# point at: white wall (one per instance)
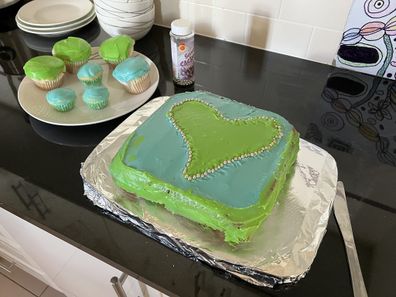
(309, 29)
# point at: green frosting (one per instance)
(44, 68)
(208, 151)
(117, 48)
(152, 172)
(72, 49)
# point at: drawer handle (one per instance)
(118, 282)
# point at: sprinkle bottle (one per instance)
(182, 48)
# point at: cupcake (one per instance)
(46, 72)
(133, 73)
(74, 51)
(90, 74)
(62, 99)
(116, 49)
(96, 97)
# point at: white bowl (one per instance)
(135, 18)
(130, 26)
(114, 31)
(125, 7)
(122, 23)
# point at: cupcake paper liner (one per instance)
(72, 67)
(64, 107)
(98, 104)
(92, 82)
(138, 85)
(50, 84)
(113, 63)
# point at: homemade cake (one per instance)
(213, 160)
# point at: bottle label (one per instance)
(183, 59)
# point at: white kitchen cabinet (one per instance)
(59, 264)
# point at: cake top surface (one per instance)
(61, 96)
(116, 48)
(89, 70)
(228, 149)
(44, 67)
(72, 49)
(130, 69)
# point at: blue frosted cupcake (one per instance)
(133, 73)
(96, 97)
(62, 99)
(90, 74)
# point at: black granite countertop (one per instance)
(351, 115)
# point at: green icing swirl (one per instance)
(117, 48)
(72, 49)
(44, 67)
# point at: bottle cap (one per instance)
(181, 27)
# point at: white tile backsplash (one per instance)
(308, 29)
(330, 14)
(226, 19)
(202, 18)
(324, 45)
(267, 8)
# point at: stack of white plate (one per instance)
(55, 17)
(131, 17)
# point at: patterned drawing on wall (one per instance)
(369, 40)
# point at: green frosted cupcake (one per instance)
(74, 51)
(46, 72)
(90, 74)
(116, 49)
(96, 97)
(62, 99)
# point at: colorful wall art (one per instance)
(369, 41)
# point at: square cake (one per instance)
(212, 160)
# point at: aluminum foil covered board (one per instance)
(280, 252)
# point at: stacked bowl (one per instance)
(130, 17)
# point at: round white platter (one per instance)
(33, 101)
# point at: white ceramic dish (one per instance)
(134, 33)
(123, 24)
(134, 19)
(54, 12)
(33, 101)
(69, 26)
(5, 3)
(57, 32)
(121, 14)
(140, 7)
(88, 15)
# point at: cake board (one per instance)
(280, 252)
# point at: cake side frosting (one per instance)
(234, 198)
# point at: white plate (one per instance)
(5, 3)
(21, 22)
(53, 12)
(56, 32)
(72, 25)
(33, 101)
